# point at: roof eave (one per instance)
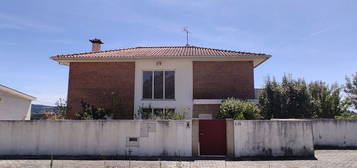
(66, 61)
(265, 59)
(17, 93)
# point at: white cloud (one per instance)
(319, 32)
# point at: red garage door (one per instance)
(212, 137)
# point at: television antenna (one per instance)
(185, 29)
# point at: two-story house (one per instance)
(186, 79)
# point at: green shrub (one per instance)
(147, 113)
(296, 98)
(238, 110)
(347, 115)
(90, 112)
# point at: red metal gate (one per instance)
(212, 137)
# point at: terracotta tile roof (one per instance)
(162, 52)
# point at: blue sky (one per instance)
(315, 40)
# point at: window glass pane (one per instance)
(147, 113)
(170, 85)
(158, 113)
(158, 84)
(147, 85)
(168, 114)
(170, 110)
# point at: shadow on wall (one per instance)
(95, 138)
(258, 138)
(170, 139)
(335, 134)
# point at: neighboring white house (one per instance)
(14, 105)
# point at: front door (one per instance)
(212, 137)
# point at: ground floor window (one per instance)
(158, 113)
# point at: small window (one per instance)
(132, 142)
(147, 113)
(132, 139)
(158, 113)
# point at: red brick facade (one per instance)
(97, 83)
(223, 79)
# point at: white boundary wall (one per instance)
(273, 138)
(75, 138)
(340, 133)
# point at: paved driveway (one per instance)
(325, 159)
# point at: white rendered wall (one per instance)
(341, 133)
(273, 138)
(183, 85)
(14, 107)
(75, 138)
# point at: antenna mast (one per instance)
(185, 29)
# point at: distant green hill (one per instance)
(37, 110)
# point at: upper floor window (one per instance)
(159, 85)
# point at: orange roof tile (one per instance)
(159, 52)
(164, 51)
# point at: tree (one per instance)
(61, 107)
(58, 112)
(288, 99)
(270, 98)
(296, 99)
(351, 90)
(238, 110)
(326, 100)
